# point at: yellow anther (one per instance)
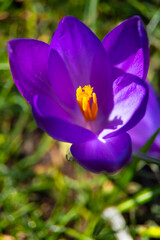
(84, 96)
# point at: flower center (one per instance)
(88, 108)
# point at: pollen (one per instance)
(87, 101)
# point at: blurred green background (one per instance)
(42, 194)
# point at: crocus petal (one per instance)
(141, 133)
(101, 82)
(60, 80)
(108, 156)
(83, 61)
(29, 66)
(130, 100)
(77, 45)
(127, 47)
(54, 120)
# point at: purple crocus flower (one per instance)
(141, 133)
(84, 91)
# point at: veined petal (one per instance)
(101, 81)
(141, 133)
(60, 80)
(77, 45)
(128, 48)
(108, 156)
(130, 100)
(29, 66)
(83, 61)
(57, 122)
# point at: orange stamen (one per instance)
(84, 96)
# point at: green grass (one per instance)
(42, 195)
